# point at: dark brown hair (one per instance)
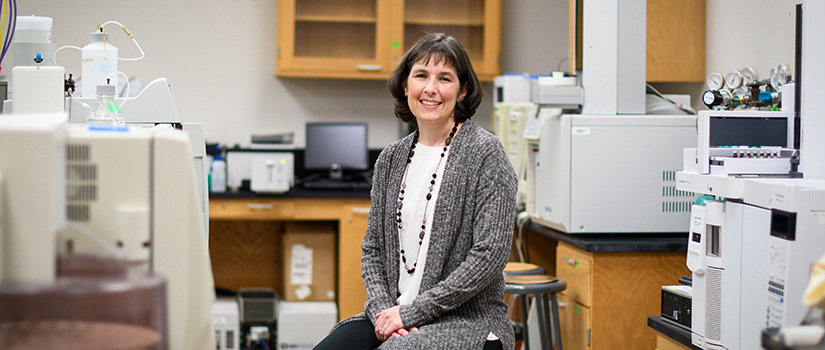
(439, 47)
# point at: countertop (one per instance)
(678, 334)
(617, 242)
(297, 192)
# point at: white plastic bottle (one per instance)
(98, 62)
(106, 111)
(218, 175)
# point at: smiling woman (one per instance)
(441, 217)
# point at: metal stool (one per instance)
(544, 289)
(519, 269)
(514, 268)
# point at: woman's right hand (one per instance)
(402, 332)
(388, 324)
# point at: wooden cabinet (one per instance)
(365, 39)
(353, 226)
(612, 294)
(245, 245)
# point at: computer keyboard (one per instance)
(327, 184)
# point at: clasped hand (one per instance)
(388, 324)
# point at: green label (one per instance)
(114, 108)
(577, 309)
(395, 43)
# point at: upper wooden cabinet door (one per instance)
(476, 24)
(333, 38)
(365, 39)
(676, 41)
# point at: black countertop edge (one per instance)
(617, 242)
(678, 334)
(296, 192)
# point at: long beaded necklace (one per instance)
(447, 142)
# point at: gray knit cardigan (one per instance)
(462, 291)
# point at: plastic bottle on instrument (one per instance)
(218, 175)
(98, 62)
(106, 111)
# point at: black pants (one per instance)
(360, 335)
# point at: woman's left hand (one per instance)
(388, 322)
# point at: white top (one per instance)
(418, 184)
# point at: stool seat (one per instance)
(518, 268)
(533, 284)
(543, 288)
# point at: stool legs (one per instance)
(547, 306)
(524, 311)
(556, 326)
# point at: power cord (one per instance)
(522, 218)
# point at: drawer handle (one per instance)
(369, 67)
(360, 210)
(570, 261)
(261, 206)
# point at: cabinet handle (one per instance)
(360, 210)
(369, 67)
(261, 206)
(570, 261)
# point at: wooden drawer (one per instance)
(251, 209)
(574, 323)
(576, 268)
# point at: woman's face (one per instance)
(432, 90)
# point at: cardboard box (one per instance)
(309, 261)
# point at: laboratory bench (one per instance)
(614, 282)
(245, 233)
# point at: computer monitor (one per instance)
(336, 147)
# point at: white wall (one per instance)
(219, 56)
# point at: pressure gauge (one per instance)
(715, 81)
(717, 99)
(749, 75)
(734, 79)
(780, 76)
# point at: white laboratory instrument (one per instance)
(744, 142)
(274, 174)
(226, 320)
(614, 66)
(302, 325)
(264, 170)
(123, 192)
(156, 105)
(751, 259)
(38, 90)
(727, 240)
(512, 88)
(810, 91)
(509, 121)
(558, 91)
(608, 174)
